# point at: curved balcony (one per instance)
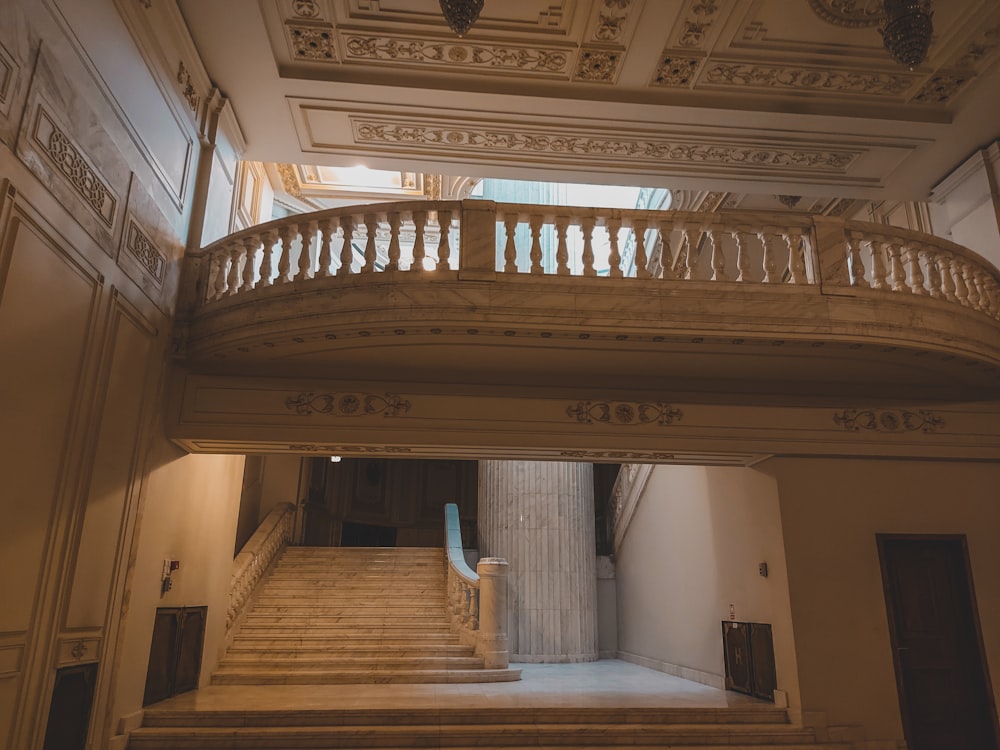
(724, 303)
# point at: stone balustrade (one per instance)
(482, 240)
(477, 601)
(256, 557)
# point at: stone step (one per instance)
(267, 660)
(372, 610)
(246, 676)
(306, 652)
(400, 624)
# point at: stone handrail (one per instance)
(257, 556)
(437, 238)
(477, 601)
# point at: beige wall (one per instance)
(693, 548)
(831, 511)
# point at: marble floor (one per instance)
(604, 684)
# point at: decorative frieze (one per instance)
(623, 412)
(701, 15)
(597, 65)
(314, 43)
(187, 87)
(140, 247)
(851, 14)
(458, 54)
(91, 187)
(676, 70)
(888, 420)
(809, 79)
(506, 140)
(347, 404)
(346, 450)
(942, 87)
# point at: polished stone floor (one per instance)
(606, 684)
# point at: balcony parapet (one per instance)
(428, 238)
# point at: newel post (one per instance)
(493, 645)
(477, 260)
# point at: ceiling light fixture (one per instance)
(906, 30)
(461, 14)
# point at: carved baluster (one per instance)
(444, 244)
(718, 258)
(970, 284)
(510, 222)
(613, 225)
(562, 250)
(286, 234)
(742, 256)
(854, 262)
(691, 253)
(347, 249)
(934, 282)
(666, 253)
(992, 290)
(305, 254)
(680, 264)
(796, 257)
(419, 253)
(474, 621)
(769, 264)
(268, 238)
(877, 248)
(587, 224)
(218, 285)
(912, 257)
(371, 224)
(325, 258)
(250, 245)
(394, 221)
(535, 223)
(961, 290)
(943, 262)
(233, 279)
(641, 261)
(897, 273)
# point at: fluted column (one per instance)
(539, 516)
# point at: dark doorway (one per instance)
(69, 712)
(174, 652)
(367, 535)
(944, 691)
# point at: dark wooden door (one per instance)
(944, 692)
(174, 652)
(69, 712)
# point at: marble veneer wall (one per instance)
(539, 516)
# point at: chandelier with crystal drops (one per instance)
(461, 14)
(906, 30)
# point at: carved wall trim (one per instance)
(611, 22)
(462, 56)
(980, 49)
(629, 487)
(414, 134)
(8, 76)
(75, 167)
(942, 87)
(889, 420)
(806, 79)
(623, 412)
(698, 20)
(187, 87)
(305, 9)
(347, 404)
(138, 244)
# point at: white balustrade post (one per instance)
(286, 234)
(233, 279)
(562, 250)
(535, 222)
(768, 262)
(968, 273)
(718, 257)
(916, 273)
(641, 259)
(879, 271)
(796, 257)
(587, 224)
(326, 229)
(347, 249)
(305, 253)
(612, 225)
(419, 253)
(394, 220)
(742, 256)
(371, 224)
(510, 222)
(250, 245)
(444, 244)
(220, 260)
(493, 644)
(266, 268)
(854, 263)
(934, 281)
(897, 273)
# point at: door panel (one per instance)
(944, 693)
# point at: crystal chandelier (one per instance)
(461, 14)
(906, 30)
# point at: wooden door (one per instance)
(174, 652)
(944, 691)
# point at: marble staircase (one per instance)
(333, 615)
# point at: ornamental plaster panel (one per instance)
(696, 23)
(851, 14)
(813, 79)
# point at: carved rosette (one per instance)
(676, 70)
(597, 65)
(312, 42)
(623, 412)
(852, 14)
(347, 404)
(888, 420)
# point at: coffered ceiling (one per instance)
(768, 96)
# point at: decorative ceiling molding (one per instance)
(462, 57)
(699, 17)
(676, 69)
(472, 136)
(612, 22)
(598, 65)
(806, 79)
(312, 42)
(942, 88)
(852, 14)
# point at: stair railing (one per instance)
(477, 600)
(257, 557)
